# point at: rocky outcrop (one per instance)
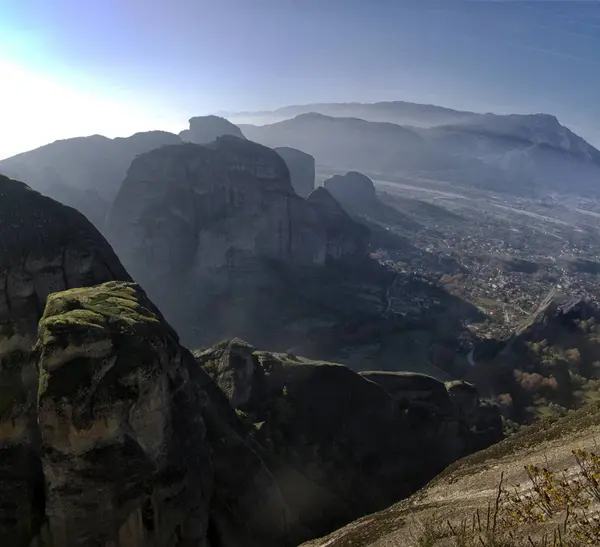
(203, 221)
(44, 247)
(135, 444)
(302, 169)
(346, 442)
(124, 446)
(190, 210)
(205, 129)
(354, 191)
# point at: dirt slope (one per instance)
(472, 482)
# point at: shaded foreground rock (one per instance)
(344, 441)
(138, 445)
(44, 247)
(124, 445)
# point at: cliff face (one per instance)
(44, 247)
(204, 220)
(124, 445)
(302, 169)
(344, 236)
(196, 208)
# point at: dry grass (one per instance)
(553, 509)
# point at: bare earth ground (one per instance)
(472, 483)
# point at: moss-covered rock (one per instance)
(44, 247)
(124, 443)
(140, 447)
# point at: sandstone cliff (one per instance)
(218, 219)
(44, 247)
(302, 169)
(344, 236)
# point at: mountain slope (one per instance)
(471, 484)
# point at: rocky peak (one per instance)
(345, 238)
(139, 439)
(302, 169)
(354, 191)
(205, 129)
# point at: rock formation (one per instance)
(207, 220)
(136, 445)
(349, 443)
(302, 169)
(205, 129)
(44, 247)
(124, 446)
(344, 236)
(354, 191)
(114, 435)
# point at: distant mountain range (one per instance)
(398, 112)
(521, 154)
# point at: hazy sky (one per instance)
(78, 67)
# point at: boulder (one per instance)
(302, 169)
(205, 129)
(44, 247)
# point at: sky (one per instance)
(114, 67)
